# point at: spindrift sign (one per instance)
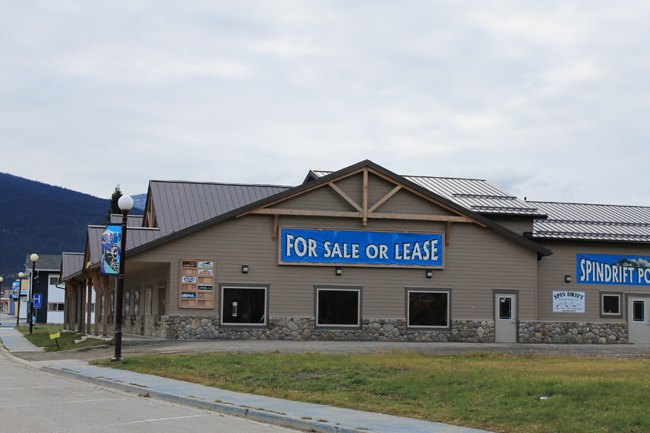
(610, 269)
(362, 248)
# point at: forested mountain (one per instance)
(39, 218)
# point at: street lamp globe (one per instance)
(33, 257)
(21, 274)
(125, 203)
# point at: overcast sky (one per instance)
(548, 100)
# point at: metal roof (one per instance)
(236, 209)
(477, 195)
(135, 237)
(131, 220)
(592, 222)
(45, 262)
(178, 205)
(71, 263)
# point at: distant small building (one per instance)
(46, 286)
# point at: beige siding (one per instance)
(478, 260)
(323, 199)
(552, 270)
(519, 225)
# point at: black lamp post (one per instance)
(125, 204)
(34, 259)
(1, 280)
(20, 284)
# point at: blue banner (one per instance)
(15, 288)
(111, 250)
(612, 269)
(361, 248)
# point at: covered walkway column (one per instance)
(100, 284)
(89, 304)
(106, 291)
(70, 289)
(81, 326)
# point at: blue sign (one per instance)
(15, 288)
(38, 300)
(612, 269)
(364, 248)
(111, 250)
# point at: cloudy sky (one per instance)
(549, 100)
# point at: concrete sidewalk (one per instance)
(307, 416)
(12, 339)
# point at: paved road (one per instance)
(34, 401)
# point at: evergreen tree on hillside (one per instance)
(114, 208)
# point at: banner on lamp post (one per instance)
(111, 250)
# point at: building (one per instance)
(365, 254)
(46, 280)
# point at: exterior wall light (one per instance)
(244, 269)
(339, 272)
(567, 278)
(429, 273)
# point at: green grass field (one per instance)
(40, 337)
(494, 392)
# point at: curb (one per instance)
(239, 411)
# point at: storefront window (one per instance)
(428, 308)
(338, 307)
(136, 302)
(610, 304)
(244, 305)
(638, 311)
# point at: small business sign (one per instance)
(613, 269)
(188, 295)
(568, 302)
(361, 248)
(189, 279)
(111, 250)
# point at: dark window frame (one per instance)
(643, 301)
(446, 290)
(226, 325)
(604, 315)
(330, 287)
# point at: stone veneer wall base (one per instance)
(573, 332)
(304, 328)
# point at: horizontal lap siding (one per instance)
(552, 270)
(477, 261)
(517, 225)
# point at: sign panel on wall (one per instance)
(613, 269)
(361, 248)
(111, 250)
(197, 281)
(568, 302)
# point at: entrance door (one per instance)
(505, 323)
(638, 320)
